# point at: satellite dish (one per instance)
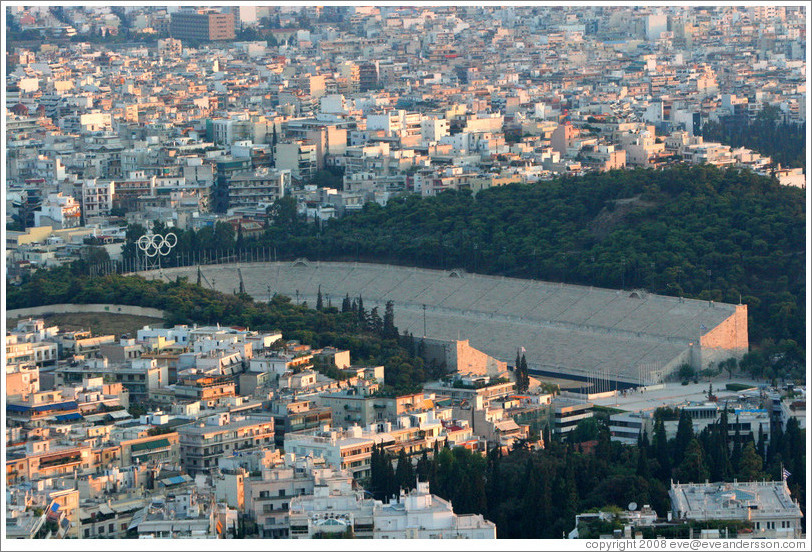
(632, 506)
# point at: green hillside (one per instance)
(700, 232)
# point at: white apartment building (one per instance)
(268, 497)
(59, 212)
(349, 449)
(422, 515)
(23, 352)
(97, 197)
(767, 504)
(433, 129)
(415, 515)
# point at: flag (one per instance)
(785, 473)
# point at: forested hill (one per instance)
(701, 232)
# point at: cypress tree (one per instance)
(693, 468)
(390, 483)
(736, 456)
(685, 434)
(750, 465)
(525, 377)
(319, 300)
(404, 473)
(423, 466)
(642, 462)
(362, 315)
(661, 451)
(374, 322)
(389, 329)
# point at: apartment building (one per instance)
(415, 515)
(268, 497)
(59, 212)
(299, 157)
(201, 444)
(249, 189)
(202, 25)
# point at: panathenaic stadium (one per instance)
(630, 337)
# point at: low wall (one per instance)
(589, 396)
(95, 307)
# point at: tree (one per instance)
(522, 376)
(750, 465)
(693, 468)
(362, 315)
(685, 434)
(374, 322)
(642, 462)
(389, 329)
(686, 372)
(405, 474)
(346, 304)
(319, 300)
(423, 466)
(661, 452)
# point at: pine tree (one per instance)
(346, 304)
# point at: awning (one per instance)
(66, 405)
(69, 417)
(175, 480)
(150, 445)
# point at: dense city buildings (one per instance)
(157, 158)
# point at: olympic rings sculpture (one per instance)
(154, 244)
